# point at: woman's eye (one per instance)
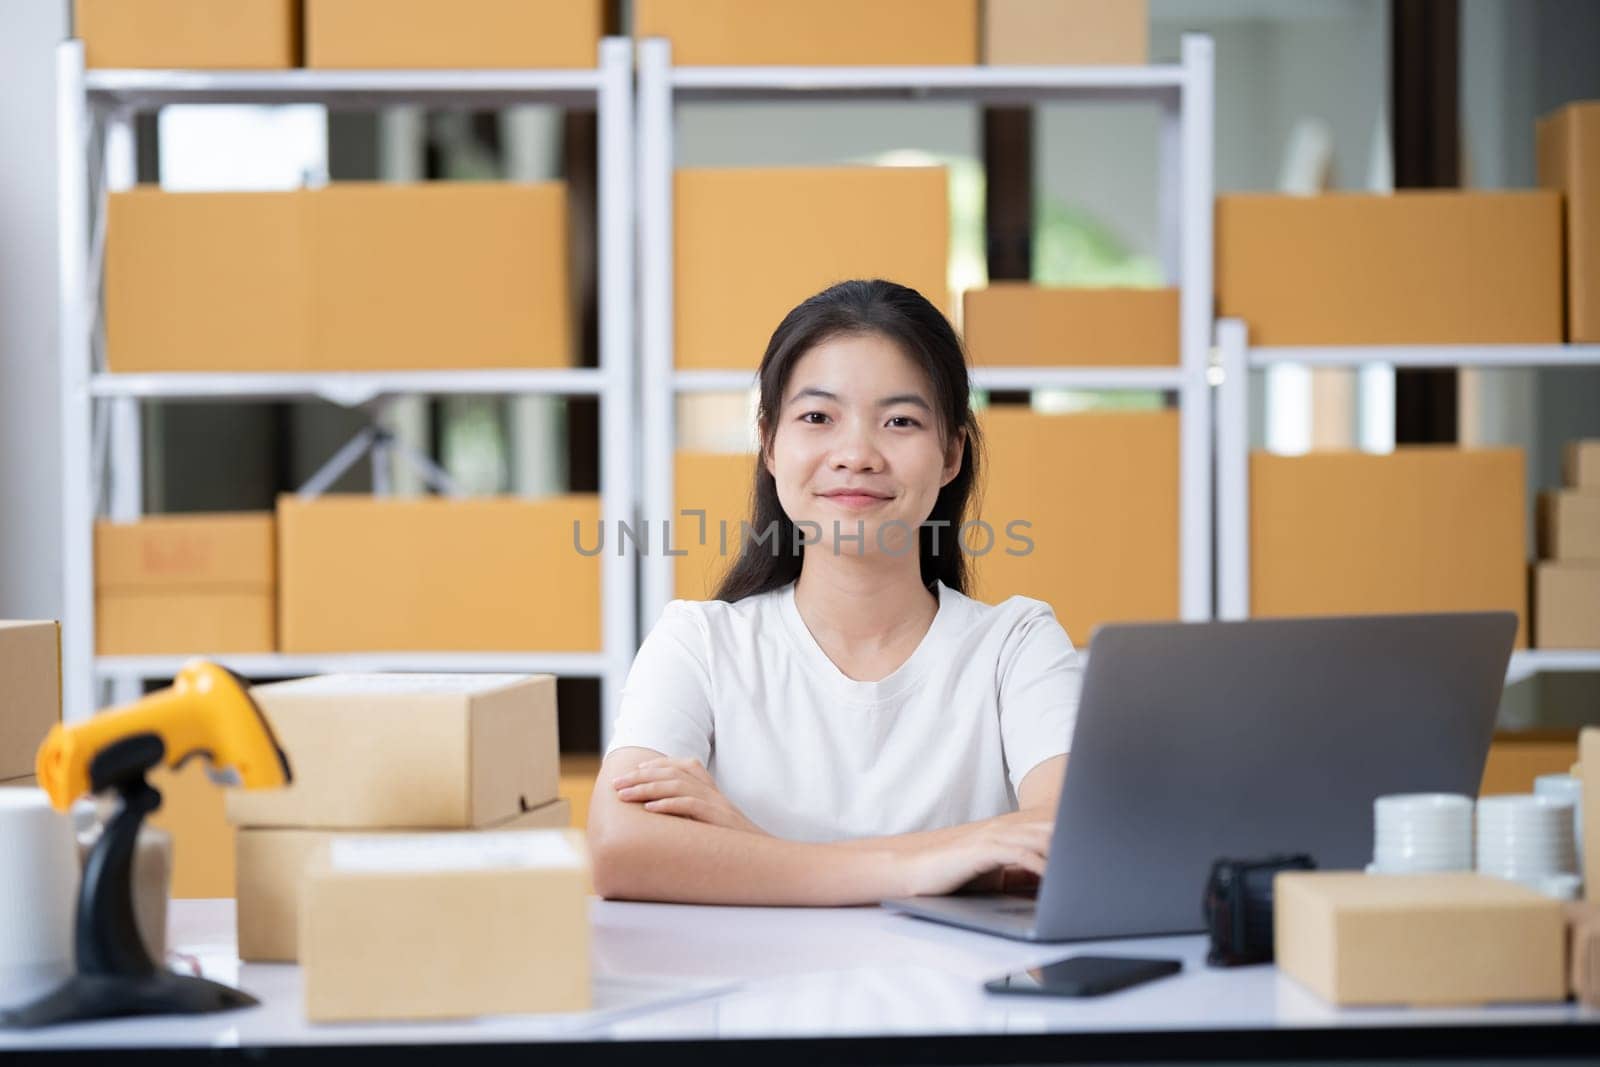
(815, 418)
(903, 422)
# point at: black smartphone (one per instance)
(1084, 976)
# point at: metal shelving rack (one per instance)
(1238, 358)
(100, 410)
(1185, 93)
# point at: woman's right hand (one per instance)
(950, 859)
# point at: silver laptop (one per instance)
(1197, 741)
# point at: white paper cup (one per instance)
(39, 890)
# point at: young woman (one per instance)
(843, 724)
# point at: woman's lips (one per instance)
(855, 501)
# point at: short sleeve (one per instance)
(666, 701)
(1041, 675)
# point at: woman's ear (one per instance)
(952, 458)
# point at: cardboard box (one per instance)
(1406, 268)
(186, 584)
(202, 841)
(353, 276)
(441, 926)
(814, 33)
(1580, 465)
(459, 34)
(435, 751)
(1518, 757)
(1066, 32)
(1423, 529)
(191, 34)
(30, 698)
(1566, 605)
(27, 781)
(1014, 324)
(719, 484)
(832, 224)
(272, 865)
(1418, 939)
(372, 574)
(1569, 525)
(1589, 771)
(1102, 540)
(1568, 149)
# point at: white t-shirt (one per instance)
(809, 754)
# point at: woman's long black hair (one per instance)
(901, 315)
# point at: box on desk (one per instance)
(1418, 939)
(30, 691)
(1422, 529)
(456, 34)
(832, 223)
(437, 574)
(186, 584)
(1401, 268)
(813, 33)
(1566, 604)
(272, 864)
(1015, 324)
(407, 750)
(1588, 771)
(1569, 524)
(1066, 32)
(1568, 150)
(189, 34)
(447, 925)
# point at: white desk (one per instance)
(869, 985)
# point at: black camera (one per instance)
(1238, 908)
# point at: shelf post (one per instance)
(1195, 312)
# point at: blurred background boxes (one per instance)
(30, 696)
(1104, 523)
(1569, 162)
(1423, 529)
(1066, 32)
(192, 811)
(436, 574)
(1566, 601)
(186, 585)
(1566, 581)
(192, 34)
(272, 864)
(817, 33)
(1016, 324)
(721, 485)
(830, 223)
(354, 276)
(465, 34)
(1581, 464)
(1405, 268)
(1569, 524)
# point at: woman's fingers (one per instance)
(661, 767)
(688, 807)
(656, 790)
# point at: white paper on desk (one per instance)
(444, 852)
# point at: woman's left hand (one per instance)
(680, 787)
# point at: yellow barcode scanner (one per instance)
(206, 712)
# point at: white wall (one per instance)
(30, 467)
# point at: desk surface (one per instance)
(868, 984)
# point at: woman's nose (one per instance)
(856, 450)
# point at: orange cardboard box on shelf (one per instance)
(30, 693)
(272, 864)
(389, 751)
(186, 585)
(1423, 529)
(1016, 324)
(813, 33)
(434, 574)
(1566, 604)
(492, 923)
(452, 34)
(1402, 268)
(832, 224)
(1569, 525)
(1066, 32)
(354, 276)
(1568, 148)
(189, 34)
(1100, 544)
(719, 484)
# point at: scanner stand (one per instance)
(115, 974)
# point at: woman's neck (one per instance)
(864, 603)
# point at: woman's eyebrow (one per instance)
(905, 398)
(812, 390)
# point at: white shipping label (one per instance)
(471, 851)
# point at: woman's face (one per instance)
(858, 443)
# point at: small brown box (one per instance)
(813, 33)
(1568, 145)
(1566, 605)
(434, 751)
(439, 926)
(1569, 525)
(272, 864)
(1581, 465)
(189, 34)
(30, 694)
(1418, 939)
(1014, 324)
(1589, 772)
(454, 34)
(1066, 32)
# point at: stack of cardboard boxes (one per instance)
(1566, 581)
(387, 754)
(1568, 143)
(30, 694)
